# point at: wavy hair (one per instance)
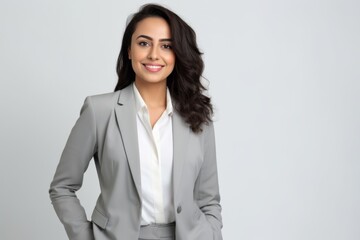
(184, 82)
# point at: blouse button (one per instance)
(178, 210)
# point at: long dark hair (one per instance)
(184, 82)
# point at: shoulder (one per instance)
(103, 105)
(208, 133)
(103, 100)
(100, 105)
(208, 129)
(111, 99)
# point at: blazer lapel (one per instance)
(181, 133)
(126, 118)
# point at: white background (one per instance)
(284, 77)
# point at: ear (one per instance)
(129, 53)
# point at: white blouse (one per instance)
(156, 162)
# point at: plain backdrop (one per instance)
(284, 80)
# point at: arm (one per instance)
(207, 187)
(75, 158)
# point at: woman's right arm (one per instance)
(79, 150)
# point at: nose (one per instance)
(153, 53)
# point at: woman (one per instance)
(152, 141)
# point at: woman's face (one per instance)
(151, 54)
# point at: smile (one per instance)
(153, 68)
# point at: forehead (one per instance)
(154, 27)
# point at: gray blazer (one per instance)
(106, 131)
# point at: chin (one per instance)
(152, 80)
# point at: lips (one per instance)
(153, 67)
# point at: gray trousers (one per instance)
(157, 232)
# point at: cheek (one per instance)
(136, 59)
(171, 59)
(136, 66)
(137, 54)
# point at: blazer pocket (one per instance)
(99, 219)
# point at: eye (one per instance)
(143, 44)
(167, 46)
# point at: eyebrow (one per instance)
(150, 38)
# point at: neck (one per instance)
(153, 94)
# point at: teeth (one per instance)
(153, 67)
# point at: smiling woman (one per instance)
(150, 52)
(152, 141)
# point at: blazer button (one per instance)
(178, 210)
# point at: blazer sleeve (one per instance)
(79, 150)
(207, 187)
